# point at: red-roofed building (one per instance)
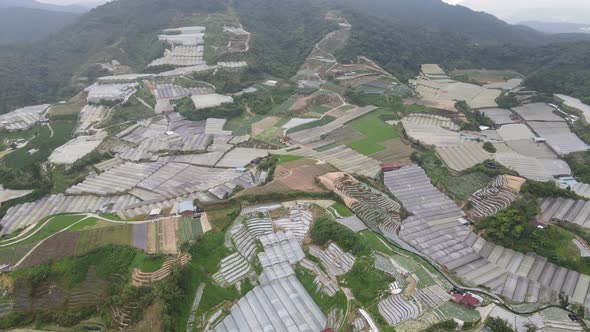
(467, 300)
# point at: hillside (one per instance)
(21, 25)
(33, 4)
(398, 34)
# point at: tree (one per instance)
(489, 147)
(497, 324)
(507, 101)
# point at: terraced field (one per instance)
(463, 186)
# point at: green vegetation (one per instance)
(580, 165)
(366, 282)
(92, 239)
(186, 107)
(132, 110)
(375, 130)
(447, 325)
(325, 229)
(341, 209)
(375, 242)
(497, 324)
(511, 228)
(433, 166)
(452, 310)
(318, 123)
(283, 159)
(206, 254)
(113, 266)
(325, 302)
(222, 214)
(547, 189)
(43, 142)
(489, 147)
(463, 185)
(507, 101)
(54, 225)
(53, 69)
(148, 263)
(264, 102)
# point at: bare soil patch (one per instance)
(59, 246)
(264, 124)
(300, 175)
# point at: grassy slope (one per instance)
(375, 130)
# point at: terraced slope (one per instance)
(436, 233)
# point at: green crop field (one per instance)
(188, 229)
(452, 310)
(341, 209)
(323, 121)
(462, 186)
(99, 237)
(284, 107)
(21, 158)
(375, 130)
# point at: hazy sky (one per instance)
(70, 2)
(576, 11)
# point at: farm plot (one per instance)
(100, 237)
(188, 230)
(300, 175)
(43, 143)
(492, 198)
(464, 156)
(376, 132)
(463, 186)
(59, 246)
(451, 310)
(372, 206)
(341, 157)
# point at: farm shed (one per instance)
(187, 208)
(240, 157)
(76, 149)
(516, 276)
(127, 78)
(528, 167)
(315, 134)
(171, 91)
(559, 137)
(90, 115)
(576, 104)
(211, 100)
(537, 112)
(279, 305)
(563, 209)
(340, 156)
(499, 116)
(30, 213)
(512, 132)
(528, 147)
(464, 156)
(431, 134)
(22, 118)
(110, 92)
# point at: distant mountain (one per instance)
(437, 16)
(21, 25)
(557, 27)
(32, 4)
(537, 10)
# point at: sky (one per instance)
(72, 2)
(513, 11)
